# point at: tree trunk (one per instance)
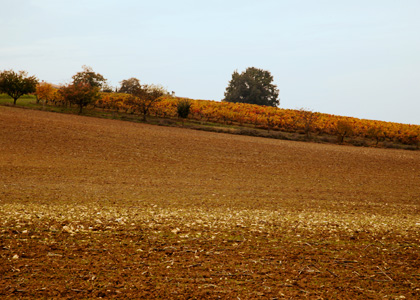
(14, 101)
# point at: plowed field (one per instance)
(100, 208)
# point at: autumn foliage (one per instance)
(265, 117)
(80, 94)
(44, 92)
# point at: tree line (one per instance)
(84, 89)
(253, 86)
(238, 107)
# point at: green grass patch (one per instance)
(25, 100)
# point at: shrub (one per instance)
(183, 107)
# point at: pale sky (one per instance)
(350, 57)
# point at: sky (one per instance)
(352, 58)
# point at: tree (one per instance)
(343, 129)
(253, 86)
(81, 94)
(90, 77)
(376, 133)
(84, 89)
(44, 91)
(307, 119)
(129, 86)
(17, 84)
(145, 97)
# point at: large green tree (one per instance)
(17, 84)
(130, 86)
(90, 77)
(254, 86)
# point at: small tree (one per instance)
(307, 119)
(44, 91)
(253, 86)
(17, 84)
(129, 86)
(80, 94)
(145, 97)
(343, 129)
(376, 133)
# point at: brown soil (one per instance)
(99, 208)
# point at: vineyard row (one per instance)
(270, 118)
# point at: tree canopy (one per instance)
(90, 77)
(44, 91)
(84, 89)
(80, 94)
(144, 97)
(17, 84)
(254, 86)
(130, 86)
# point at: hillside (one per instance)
(123, 160)
(288, 123)
(245, 119)
(216, 205)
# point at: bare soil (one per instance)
(101, 208)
